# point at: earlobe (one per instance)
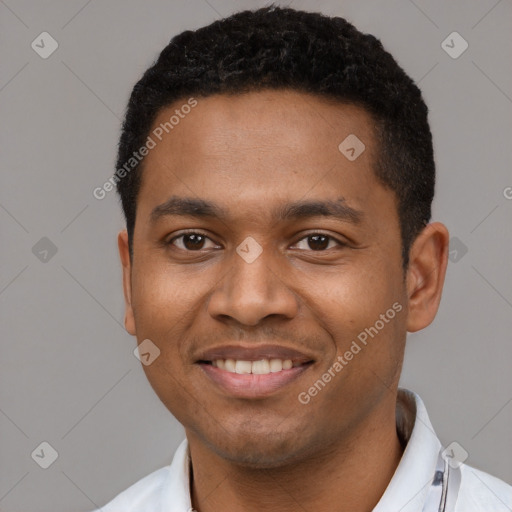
(124, 254)
(428, 259)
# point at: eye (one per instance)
(191, 241)
(319, 242)
(195, 241)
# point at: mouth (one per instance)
(253, 373)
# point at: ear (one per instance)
(124, 254)
(428, 259)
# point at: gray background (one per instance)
(69, 376)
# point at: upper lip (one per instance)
(253, 353)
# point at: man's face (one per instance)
(319, 282)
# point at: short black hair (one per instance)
(284, 48)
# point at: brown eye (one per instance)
(190, 241)
(193, 241)
(318, 242)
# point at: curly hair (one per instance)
(283, 48)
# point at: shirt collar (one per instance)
(406, 492)
(408, 488)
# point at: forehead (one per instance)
(255, 145)
(281, 118)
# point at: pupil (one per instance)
(317, 245)
(196, 241)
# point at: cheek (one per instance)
(161, 297)
(168, 304)
(366, 304)
(163, 306)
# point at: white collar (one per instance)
(411, 481)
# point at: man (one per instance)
(276, 172)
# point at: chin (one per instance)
(261, 450)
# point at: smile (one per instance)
(260, 367)
(252, 379)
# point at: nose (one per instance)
(250, 292)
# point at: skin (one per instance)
(249, 154)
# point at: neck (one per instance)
(349, 476)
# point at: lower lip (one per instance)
(250, 385)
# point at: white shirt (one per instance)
(167, 489)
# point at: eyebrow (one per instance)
(200, 208)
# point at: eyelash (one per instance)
(330, 237)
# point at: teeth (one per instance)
(229, 365)
(287, 364)
(243, 367)
(276, 365)
(261, 367)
